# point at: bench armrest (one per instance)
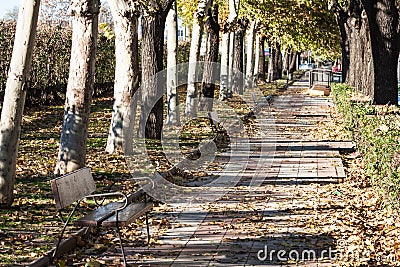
(111, 194)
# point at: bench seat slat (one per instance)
(128, 215)
(96, 217)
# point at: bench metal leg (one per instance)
(148, 229)
(120, 239)
(147, 222)
(63, 230)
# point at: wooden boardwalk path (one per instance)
(247, 224)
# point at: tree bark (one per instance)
(361, 69)
(279, 61)
(195, 44)
(256, 59)
(293, 61)
(271, 63)
(261, 65)
(153, 23)
(223, 90)
(14, 98)
(226, 51)
(383, 19)
(72, 152)
(250, 54)
(342, 19)
(237, 73)
(126, 82)
(209, 74)
(231, 59)
(285, 61)
(172, 62)
(276, 62)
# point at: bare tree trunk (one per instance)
(271, 64)
(172, 61)
(279, 61)
(153, 22)
(72, 152)
(223, 90)
(209, 74)
(250, 54)
(383, 20)
(126, 82)
(293, 62)
(276, 62)
(226, 51)
(14, 98)
(285, 61)
(261, 65)
(256, 59)
(237, 75)
(195, 44)
(361, 71)
(231, 59)
(342, 21)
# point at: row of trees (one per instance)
(82, 69)
(287, 27)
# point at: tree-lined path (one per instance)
(288, 199)
(279, 214)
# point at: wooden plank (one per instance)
(69, 188)
(96, 217)
(128, 215)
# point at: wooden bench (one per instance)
(260, 103)
(79, 185)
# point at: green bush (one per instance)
(50, 63)
(376, 129)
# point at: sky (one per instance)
(6, 5)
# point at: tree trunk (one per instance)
(285, 61)
(293, 62)
(342, 21)
(210, 74)
(256, 59)
(261, 65)
(250, 54)
(231, 59)
(14, 98)
(153, 23)
(195, 44)
(237, 72)
(223, 90)
(344, 45)
(276, 62)
(126, 71)
(383, 19)
(271, 63)
(72, 152)
(172, 62)
(226, 52)
(279, 61)
(361, 70)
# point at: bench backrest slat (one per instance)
(73, 186)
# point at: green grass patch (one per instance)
(376, 129)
